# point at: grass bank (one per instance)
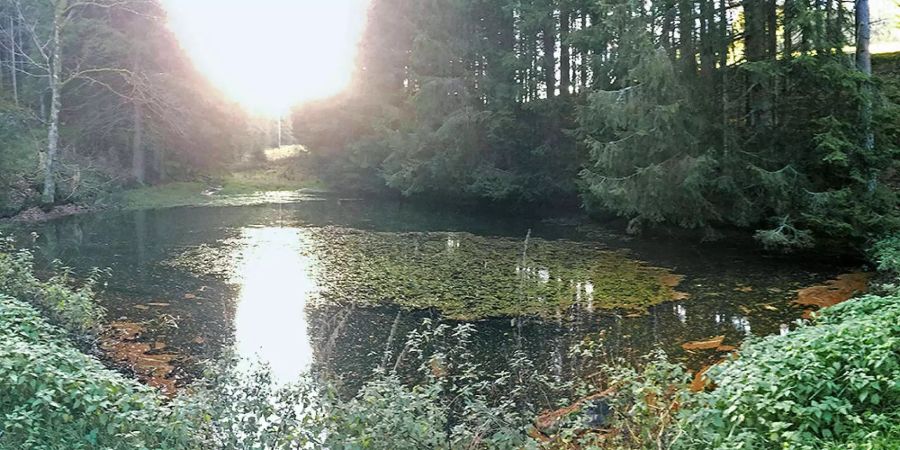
(281, 175)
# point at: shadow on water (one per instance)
(273, 281)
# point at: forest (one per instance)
(523, 224)
(100, 95)
(760, 114)
(757, 115)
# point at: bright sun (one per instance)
(271, 54)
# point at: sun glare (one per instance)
(271, 54)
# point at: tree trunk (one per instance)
(12, 61)
(788, 24)
(584, 58)
(723, 35)
(565, 62)
(863, 35)
(755, 30)
(864, 63)
(707, 49)
(839, 28)
(548, 37)
(771, 28)
(755, 43)
(820, 41)
(503, 75)
(686, 51)
(830, 38)
(49, 195)
(668, 26)
(278, 143)
(138, 156)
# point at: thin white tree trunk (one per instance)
(137, 144)
(12, 60)
(864, 64)
(863, 35)
(49, 194)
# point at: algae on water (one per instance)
(462, 275)
(467, 277)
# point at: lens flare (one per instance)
(269, 55)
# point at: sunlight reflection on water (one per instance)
(275, 282)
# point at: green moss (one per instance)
(471, 277)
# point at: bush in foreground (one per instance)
(832, 385)
(73, 309)
(55, 397)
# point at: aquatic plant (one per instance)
(467, 277)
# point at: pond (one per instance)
(335, 285)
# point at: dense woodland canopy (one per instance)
(699, 113)
(757, 114)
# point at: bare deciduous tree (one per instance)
(45, 30)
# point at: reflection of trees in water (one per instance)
(133, 246)
(350, 343)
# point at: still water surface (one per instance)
(305, 284)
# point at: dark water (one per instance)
(204, 278)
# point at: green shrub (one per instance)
(886, 253)
(73, 309)
(242, 406)
(831, 384)
(55, 397)
(453, 404)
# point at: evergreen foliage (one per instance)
(695, 113)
